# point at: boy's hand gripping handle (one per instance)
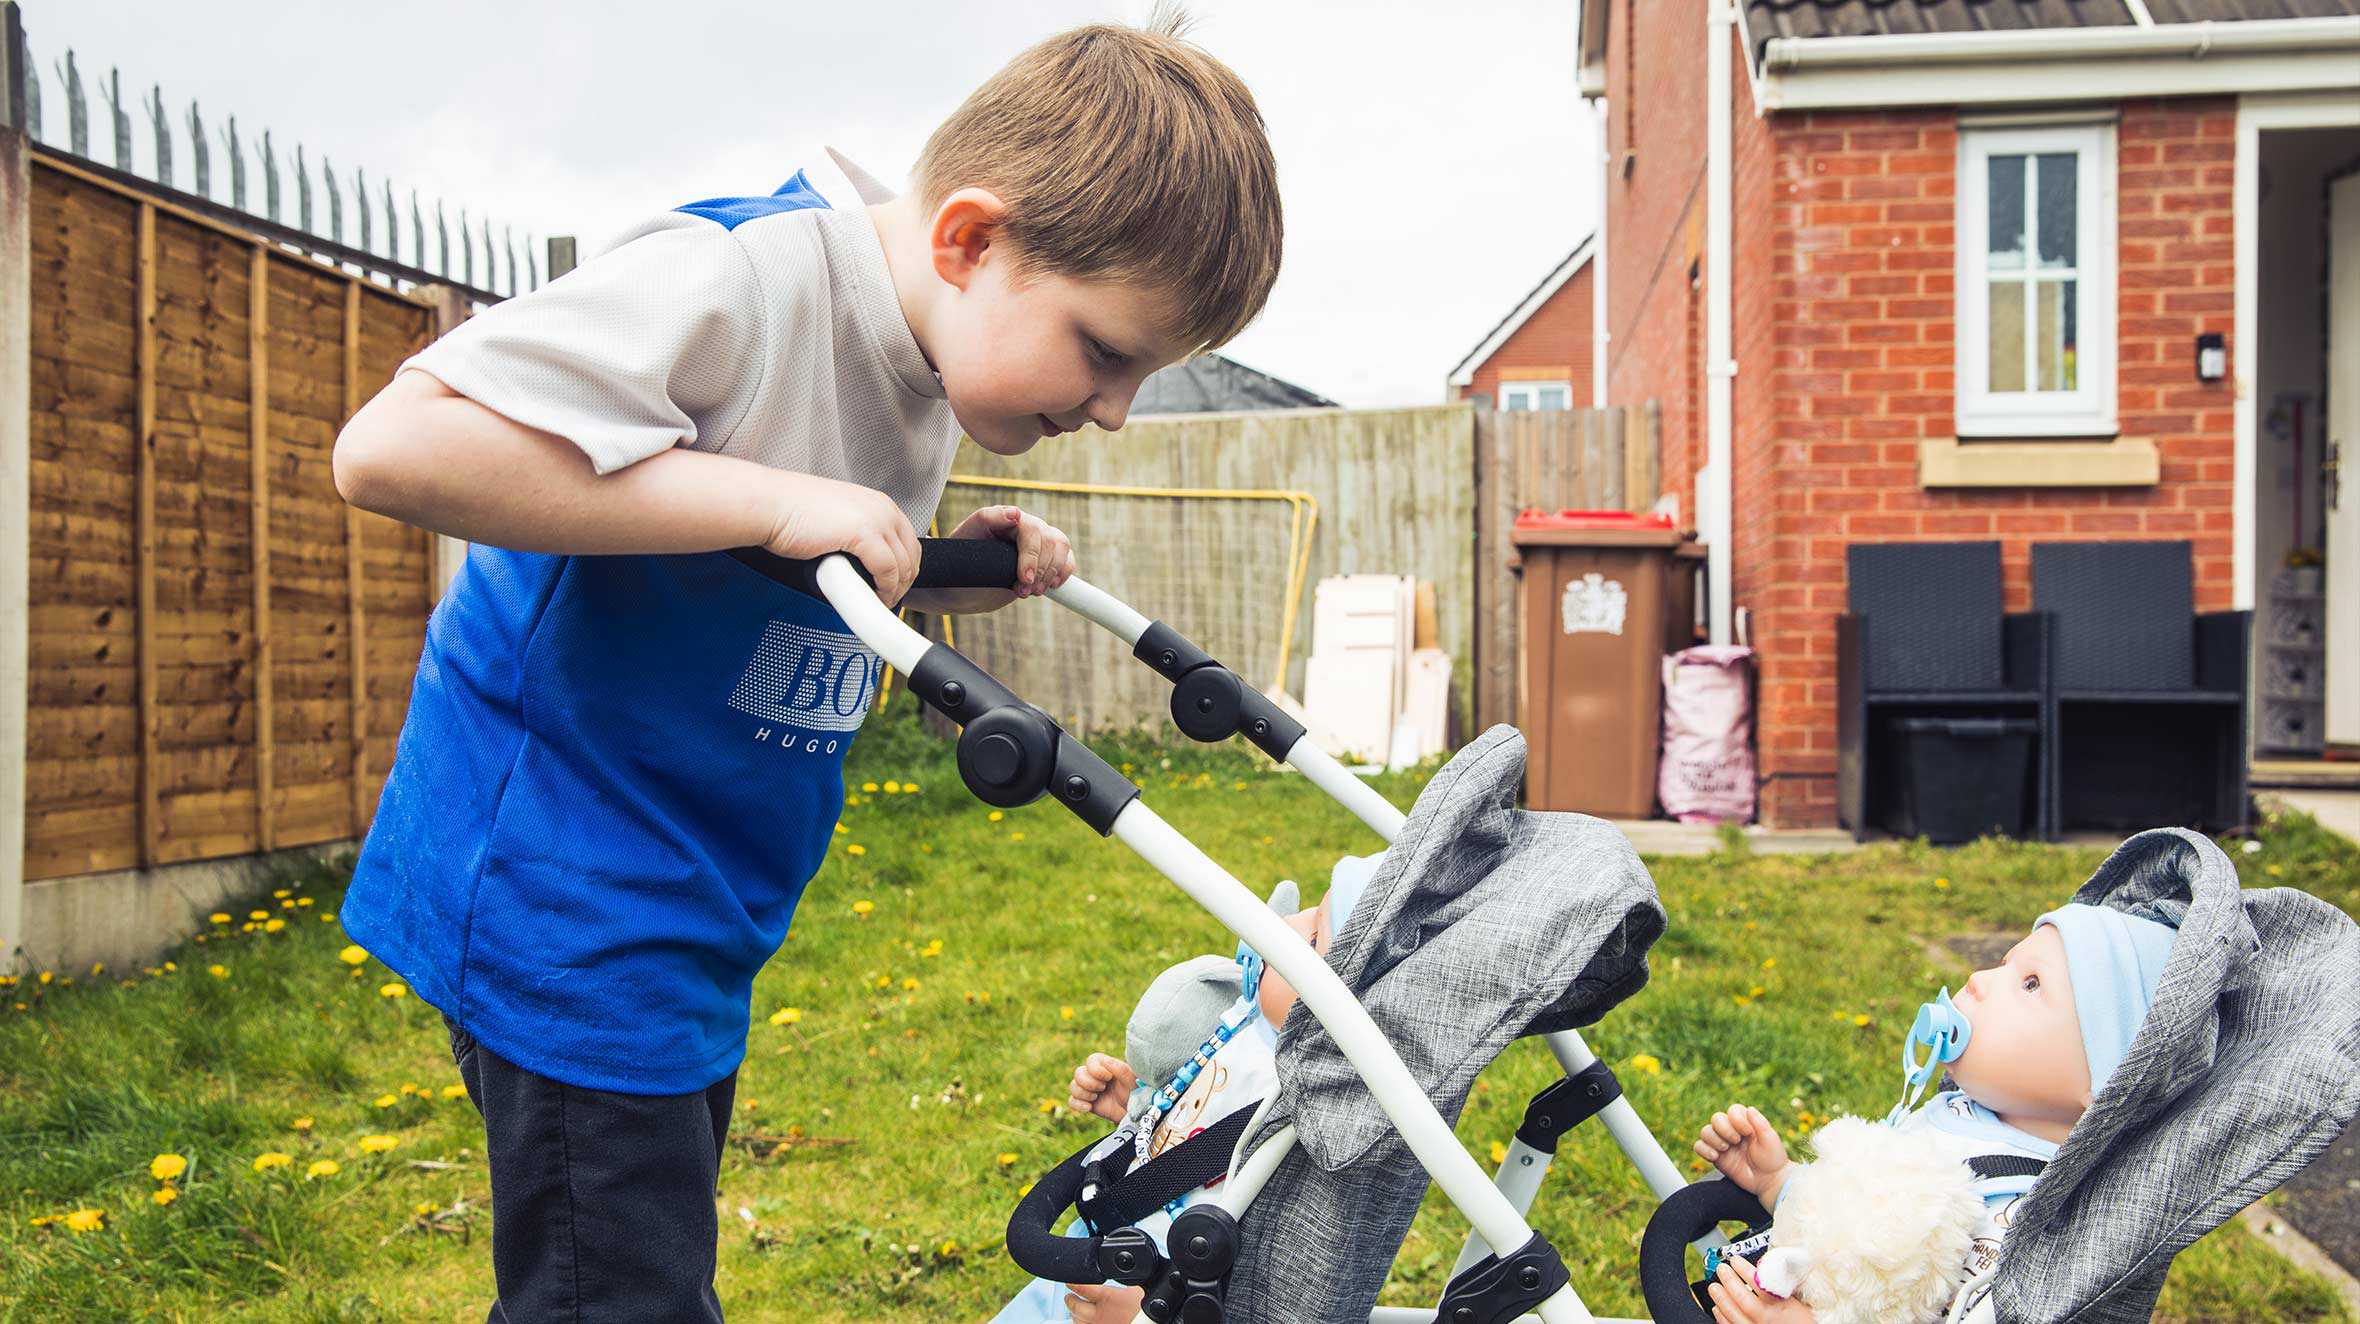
(942, 563)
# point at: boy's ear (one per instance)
(964, 229)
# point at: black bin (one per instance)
(1960, 777)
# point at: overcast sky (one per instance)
(1435, 162)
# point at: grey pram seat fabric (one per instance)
(2246, 1068)
(1486, 923)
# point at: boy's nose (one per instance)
(1108, 412)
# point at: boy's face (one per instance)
(1029, 354)
(2025, 1057)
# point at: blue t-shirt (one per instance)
(618, 773)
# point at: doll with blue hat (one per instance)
(1201, 1044)
(2027, 1046)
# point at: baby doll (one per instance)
(2027, 1044)
(1169, 1088)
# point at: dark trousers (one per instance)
(602, 1204)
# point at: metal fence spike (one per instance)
(122, 121)
(335, 198)
(360, 205)
(302, 192)
(532, 262)
(417, 234)
(442, 240)
(199, 150)
(393, 230)
(270, 178)
(489, 274)
(508, 242)
(466, 251)
(237, 165)
(77, 110)
(163, 128)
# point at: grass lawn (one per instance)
(948, 969)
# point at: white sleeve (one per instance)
(655, 343)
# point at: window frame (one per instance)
(2088, 410)
(1533, 389)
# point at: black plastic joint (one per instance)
(1567, 1104)
(1268, 726)
(1128, 1256)
(1203, 1242)
(955, 687)
(1168, 653)
(1495, 1290)
(1083, 782)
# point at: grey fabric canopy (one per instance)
(1485, 923)
(2246, 1068)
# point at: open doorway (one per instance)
(2307, 458)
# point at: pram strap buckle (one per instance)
(1494, 1290)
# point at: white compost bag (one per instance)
(1706, 774)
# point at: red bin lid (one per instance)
(1591, 519)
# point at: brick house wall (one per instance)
(1844, 251)
(1553, 343)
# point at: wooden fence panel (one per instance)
(1392, 489)
(193, 587)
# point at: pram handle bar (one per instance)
(1690, 1214)
(1092, 790)
(942, 563)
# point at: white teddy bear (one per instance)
(1874, 1230)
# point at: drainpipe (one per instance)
(1598, 259)
(1714, 488)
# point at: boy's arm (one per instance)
(426, 455)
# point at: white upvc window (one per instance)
(2036, 259)
(1536, 395)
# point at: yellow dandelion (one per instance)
(893, 788)
(302, 902)
(884, 981)
(288, 904)
(273, 925)
(1769, 963)
(377, 1144)
(868, 788)
(454, 1091)
(326, 1167)
(909, 788)
(1007, 1159)
(408, 1088)
(994, 816)
(170, 968)
(1015, 836)
(1860, 1021)
(386, 1100)
(328, 918)
(1237, 786)
(218, 917)
(786, 1016)
(948, 1249)
(86, 1220)
(1756, 991)
(165, 1167)
(396, 989)
(2274, 870)
(863, 906)
(301, 1124)
(1065, 1013)
(842, 830)
(1648, 1063)
(423, 1208)
(283, 893)
(909, 985)
(353, 955)
(1941, 884)
(855, 848)
(46, 976)
(1742, 1000)
(164, 1195)
(273, 1159)
(1048, 1106)
(932, 949)
(218, 971)
(258, 914)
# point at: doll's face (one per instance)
(1278, 996)
(2025, 1058)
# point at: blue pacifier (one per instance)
(1250, 966)
(1943, 1030)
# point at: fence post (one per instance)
(14, 67)
(16, 501)
(561, 255)
(444, 553)
(1494, 642)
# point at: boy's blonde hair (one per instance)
(1129, 155)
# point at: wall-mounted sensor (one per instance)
(2212, 357)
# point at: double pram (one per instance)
(2249, 1065)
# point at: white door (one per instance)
(2341, 473)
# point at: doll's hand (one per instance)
(1102, 1303)
(1746, 1148)
(1736, 1302)
(1102, 1085)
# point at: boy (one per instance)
(623, 755)
(2044, 1030)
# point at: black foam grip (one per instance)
(942, 563)
(1032, 1230)
(1689, 1213)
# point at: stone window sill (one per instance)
(2125, 462)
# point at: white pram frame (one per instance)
(1494, 1204)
